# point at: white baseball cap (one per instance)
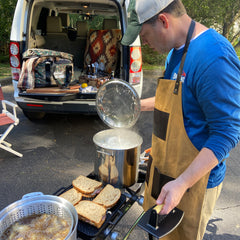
(139, 11)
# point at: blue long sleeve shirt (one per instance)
(210, 96)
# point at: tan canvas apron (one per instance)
(172, 152)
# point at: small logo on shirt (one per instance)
(182, 77)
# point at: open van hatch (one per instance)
(61, 39)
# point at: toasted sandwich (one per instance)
(91, 212)
(87, 186)
(108, 197)
(72, 195)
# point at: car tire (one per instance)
(34, 115)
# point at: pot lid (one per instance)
(118, 104)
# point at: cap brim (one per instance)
(131, 34)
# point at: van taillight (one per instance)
(14, 57)
(135, 65)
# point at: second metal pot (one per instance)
(117, 160)
(38, 203)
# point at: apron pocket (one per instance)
(160, 124)
(148, 169)
(159, 180)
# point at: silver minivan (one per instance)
(65, 26)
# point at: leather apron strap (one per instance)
(172, 152)
(180, 70)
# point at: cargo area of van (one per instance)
(68, 50)
(89, 32)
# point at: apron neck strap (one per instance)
(180, 70)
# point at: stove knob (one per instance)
(115, 236)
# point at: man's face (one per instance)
(155, 36)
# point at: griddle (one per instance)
(88, 232)
(156, 225)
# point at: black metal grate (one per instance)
(88, 232)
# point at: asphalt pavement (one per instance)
(52, 158)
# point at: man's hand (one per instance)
(170, 195)
(172, 192)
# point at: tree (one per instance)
(7, 8)
(222, 15)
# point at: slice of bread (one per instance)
(108, 197)
(91, 213)
(87, 186)
(72, 195)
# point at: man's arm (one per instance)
(147, 104)
(172, 192)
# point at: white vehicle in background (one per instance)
(65, 26)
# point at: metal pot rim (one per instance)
(117, 139)
(36, 197)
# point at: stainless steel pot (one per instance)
(38, 203)
(118, 152)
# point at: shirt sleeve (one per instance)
(218, 93)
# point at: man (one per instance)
(196, 117)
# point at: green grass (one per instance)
(5, 70)
(147, 66)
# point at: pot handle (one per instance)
(109, 154)
(33, 194)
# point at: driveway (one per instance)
(59, 148)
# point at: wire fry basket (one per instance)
(34, 204)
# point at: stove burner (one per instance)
(129, 196)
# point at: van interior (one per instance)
(66, 26)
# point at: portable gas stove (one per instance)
(129, 196)
(156, 225)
